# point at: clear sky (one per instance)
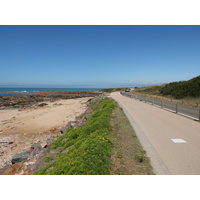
(97, 56)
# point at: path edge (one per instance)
(157, 163)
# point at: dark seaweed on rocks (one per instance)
(24, 100)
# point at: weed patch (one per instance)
(90, 149)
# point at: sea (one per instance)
(13, 91)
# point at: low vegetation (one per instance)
(88, 148)
(184, 92)
(179, 90)
(153, 90)
(47, 159)
(107, 144)
(109, 90)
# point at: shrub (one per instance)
(182, 89)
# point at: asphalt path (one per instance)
(172, 142)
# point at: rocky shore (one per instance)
(31, 122)
(37, 151)
(24, 100)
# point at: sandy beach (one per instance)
(20, 128)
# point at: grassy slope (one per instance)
(154, 92)
(99, 148)
(182, 89)
(176, 90)
(90, 146)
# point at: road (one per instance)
(172, 142)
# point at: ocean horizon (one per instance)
(13, 91)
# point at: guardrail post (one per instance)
(176, 108)
(199, 115)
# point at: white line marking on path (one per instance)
(178, 140)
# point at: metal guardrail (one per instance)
(186, 111)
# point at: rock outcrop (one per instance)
(23, 100)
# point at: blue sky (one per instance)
(97, 56)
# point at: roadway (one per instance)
(172, 142)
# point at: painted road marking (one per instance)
(178, 140)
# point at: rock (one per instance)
(10, 142)
(47, 144)
(69, 125)
(79, 124)
(67, 149)
(63, 130)
(17, 168)
(49, 169)
(40, 159)
(20, 157)
(36, 149)
(57, 104)
(88, 111)
(3, 171)
(38, 162)
(24, 100)
(77, 118)
(73, 124)
(42, 104)
(54, 130)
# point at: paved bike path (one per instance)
(172, 142)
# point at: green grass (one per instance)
(177, 90)
(47, 159)
(107, 144)
(90, 145)
(154, 92)
(181, 89)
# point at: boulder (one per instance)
(20, 157)
(36, 149)
(69, 125)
